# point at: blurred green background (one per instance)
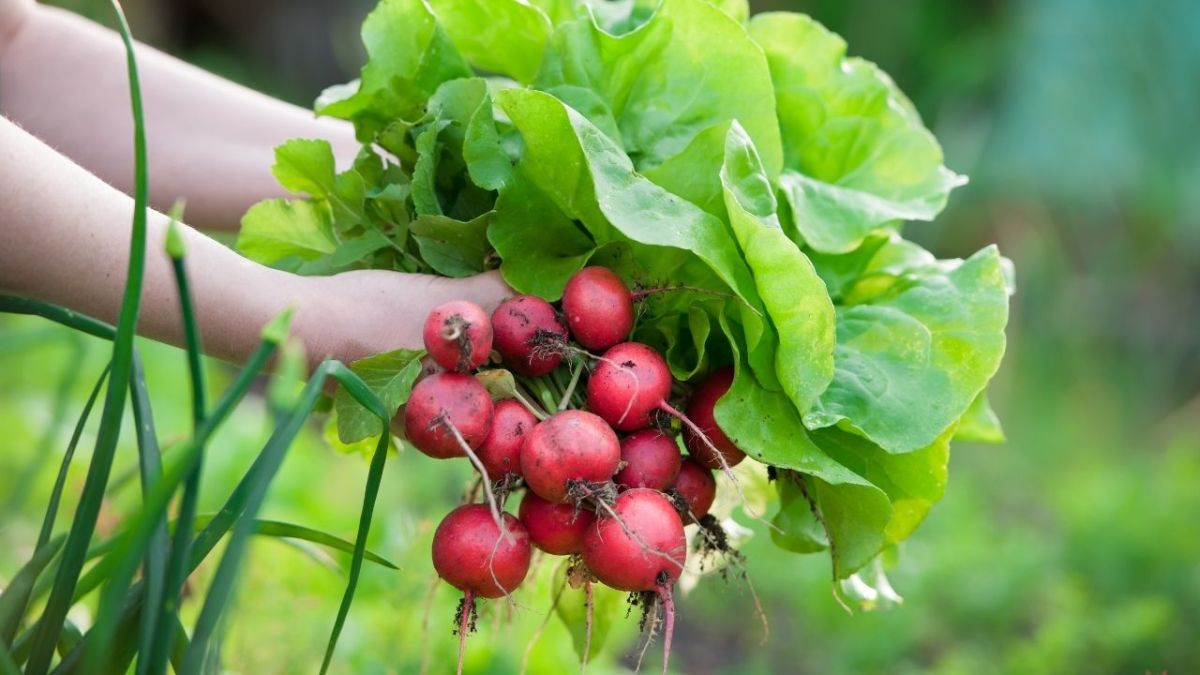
(1075, 547)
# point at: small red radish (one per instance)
(631, 382)
(555, 528)
(471, 554)
(598, 307)
(697, 487)
(458, 335)
(526, 332)
(501, 450)
(442, 404)
(572, 445)
(640, 546)
(651, 460)
(700, 410)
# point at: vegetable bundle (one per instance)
(745, 164)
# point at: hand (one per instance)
(356, 314)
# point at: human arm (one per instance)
(210, 142)
(64, 238)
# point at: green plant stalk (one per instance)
(61, 480)
(256, 482)
(126, 554)
(374, 479)
(7, 665)
(150, 469)
(12, 304)
(156, 649)
(15, 598)
(569, 392)
(84, 525)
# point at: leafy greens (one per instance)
(679, 142)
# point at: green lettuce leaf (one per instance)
(913, 481)
(855, 513)
(540, 259)
(587, 176)
(501, 36)
(390, 376)
(688, 67)
(794, 295)
(980, 424)
(855, 151)
(276, 229)
(453, 248)
(409, 55)
(912, 358)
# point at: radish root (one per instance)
(466, 623)
(588, 609)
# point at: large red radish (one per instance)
(458, 335)
(444, 407)
(598, 308)
(572, 445)
(472, 555)
(529, 335)
(640, 545)
(630, 382)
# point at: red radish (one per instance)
(700, 410)
(598, 307)
(697, 487)
(444, 406)
(458, 335)
(651, 460)
(631, 382)
(526, 328)
(501, 450)
(555, 528)
(571, 445)
(639, 547)
(471, 554)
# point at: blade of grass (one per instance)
(257, 480)
(163, 607)
(127, 555)
(374, 478)
(247, 498)
(84, 524)
(61, 480)
(13, 304)
(15, 597)
(7, 665)
(282, 530)
(150, 467)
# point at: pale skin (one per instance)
(66, 172)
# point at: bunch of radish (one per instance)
(604, 478)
